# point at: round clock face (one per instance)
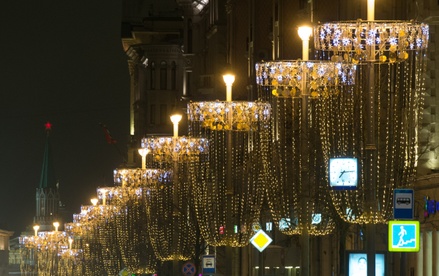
(343, 173)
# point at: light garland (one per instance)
(299, 201)
(236, 116)
(227, 181)
(70, 262)
(359, 41)
(131, 233)
(379, 121)
(44, 249)
(165, 149)
(102, 240)
(398, 104)
(171, 224)
(294, 78)
(141, 177)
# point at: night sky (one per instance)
(63, 62)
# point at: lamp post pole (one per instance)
(176, 118)
(305, 33)
(229, 79)
(371, 149)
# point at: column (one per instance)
(420, 259)
(435, 256)
(427, 253)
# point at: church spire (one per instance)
(47, 195)
(47, 179)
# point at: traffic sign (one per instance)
(404, 236)
(208, 264)
(261, 240)
(188, 269)
(403, 204)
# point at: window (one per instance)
(163, 75)
(152, 75)
(173, 76)
(152, 116)
(164, 119)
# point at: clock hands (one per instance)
(343, 172)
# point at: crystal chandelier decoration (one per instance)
(299, 201)
(228, 181)
(43, 251)
(171, 219)
(132, 188)
(83, 231)
(70, 260)
(101, 252)
(29, 245)
(378, 123)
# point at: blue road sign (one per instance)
(404, 236)
(403, 204)
(208, 264)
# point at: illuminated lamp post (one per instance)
(36, 228)
(56, 225)
(299, 201)
(169, 216)
(381, 109)
(228, 183)
(304, 34)
(134, 186)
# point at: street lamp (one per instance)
(238, 131)
(94, 201)
(143, 152)
(304, 34)
(175, 119)
(370, 10)
(229, 79)
(56, 225)
(36, 228)
(170, 224)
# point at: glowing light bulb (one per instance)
(175, 119)
(229, 79)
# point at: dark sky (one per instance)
(63, 62)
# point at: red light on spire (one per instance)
(48, 126)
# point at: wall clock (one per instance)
(343, 173)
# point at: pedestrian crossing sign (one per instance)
(404, 236)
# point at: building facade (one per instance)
(178, 52)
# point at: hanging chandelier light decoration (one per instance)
(70, 260)
(133, 186)
(171, 220)
(379, 122)
(45, 246)
(228, 182)
(83, 229)
(29, 245)
(103, 245)
(295, 89)
(351, 40)
(140, 177)
(51, 244)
